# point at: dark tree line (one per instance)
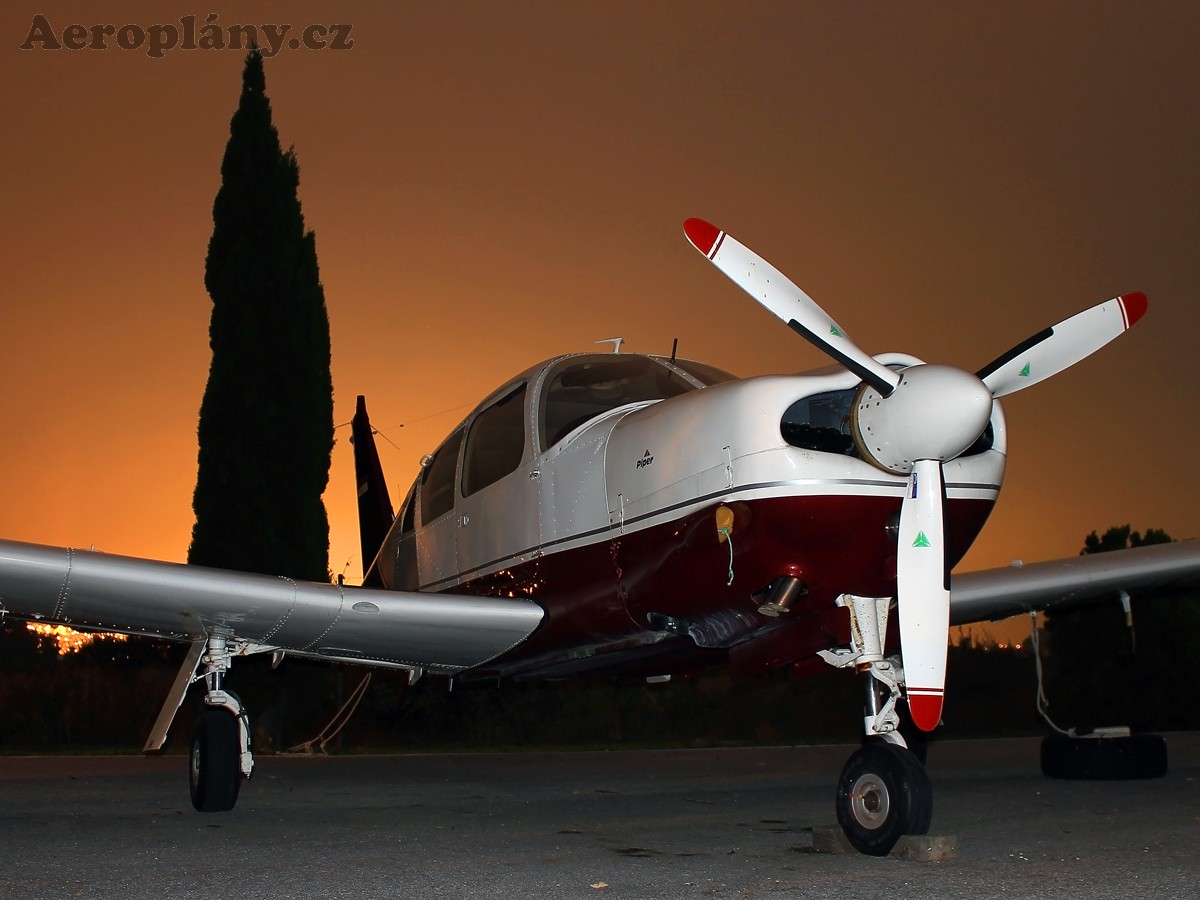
(107, 696)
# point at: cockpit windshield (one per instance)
(704, 373)
(583, 387)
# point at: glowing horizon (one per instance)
(492, 186)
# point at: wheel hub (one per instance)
(869, 801)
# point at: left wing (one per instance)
(90, 590)
(999, 593)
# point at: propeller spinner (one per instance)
(910, 423)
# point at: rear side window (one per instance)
(406, 517)
(437, 485)
(495, 443)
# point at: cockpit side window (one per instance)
(437, 483)
(585, 387)
(495, 442)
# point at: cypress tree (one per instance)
(266, 421)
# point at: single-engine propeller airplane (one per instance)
(623, 513)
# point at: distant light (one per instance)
(68, 639)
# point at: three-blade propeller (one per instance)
(910, 423)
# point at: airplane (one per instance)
(612, 512)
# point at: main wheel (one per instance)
(883, 793)
(214, 773)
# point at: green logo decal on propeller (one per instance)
(1024, 373)
(921, 540)
(835, 331)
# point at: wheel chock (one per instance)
(925, 847)
(913, 847)
(830, 839)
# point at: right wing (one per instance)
(89, 590)
(999, 593)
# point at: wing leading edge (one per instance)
(999, 593)
(91, 590)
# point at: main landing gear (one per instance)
(220, 754)
(220, 757)
(883, 792)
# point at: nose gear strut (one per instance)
(885, 676)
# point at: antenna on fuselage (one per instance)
(616, 342)
(674, 350)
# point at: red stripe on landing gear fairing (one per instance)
(925, 705)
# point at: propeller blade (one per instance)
(772, 289)
(923, 593)
(1049, 352)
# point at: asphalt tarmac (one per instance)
(733, 824)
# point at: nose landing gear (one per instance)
(883, 792)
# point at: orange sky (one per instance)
(494, 182)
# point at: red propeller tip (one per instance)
(926, 709)
(703, 236)
(1135, 306)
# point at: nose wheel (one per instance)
(883, 794)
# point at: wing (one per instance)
(90, 590)
(999, 593)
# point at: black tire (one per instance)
(883, 793)
(1104, 758)
(213, 767)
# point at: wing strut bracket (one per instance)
(187, 674)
